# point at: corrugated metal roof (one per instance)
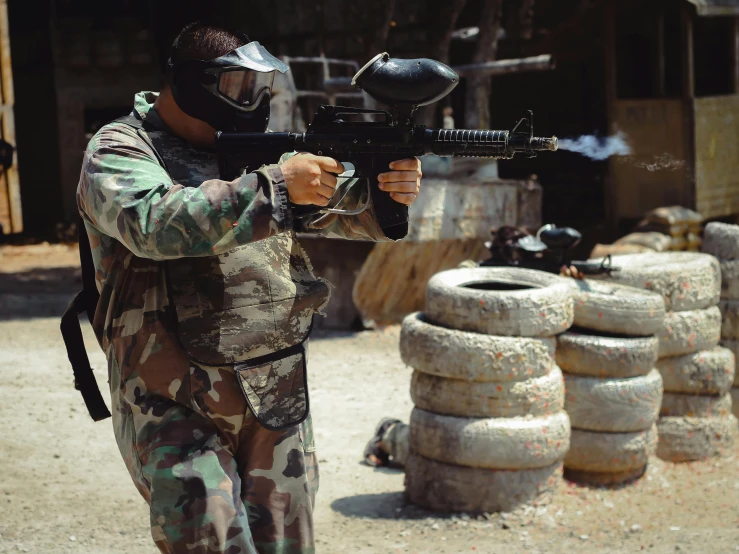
(716, 7)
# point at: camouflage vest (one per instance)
(250, 308)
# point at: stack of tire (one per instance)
(488, 432)
(613, 390)
(722, 241)
(695, 418)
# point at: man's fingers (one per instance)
(407, 164)
(328, 179)
(395, 176)
(329, 164)
(325, 191)
(403, 198)
(402, 186)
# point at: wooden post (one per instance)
(688, 67)
(659, 74)
(478, 88)
(609, 196)
(688, 94)
(8, 121)
(543, 62)
(735, 55)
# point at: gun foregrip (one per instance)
(468, 142)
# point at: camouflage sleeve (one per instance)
(350, 195)
(125, 193)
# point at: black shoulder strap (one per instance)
(135, 122)
(85, 301)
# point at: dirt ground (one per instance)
(63, 487)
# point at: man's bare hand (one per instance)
(310, 179)
(403, 182)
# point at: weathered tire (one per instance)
(610, 452)
(536, 397)
(684, 439)
(494, 443)
(583, 354)
(613, 405)
(721, 240)
(693, 405)
(541, 308)
(686, 280)
(732, 345)
(729, 319)
(473, 356)
(614, 308)
(690, 331)
(729, 279)
(734, 400)
(704, 372)
(604, 478)
(449, 488)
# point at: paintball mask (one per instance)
(232, 92)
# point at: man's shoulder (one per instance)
(113, 134)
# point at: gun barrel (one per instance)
(546, 143)
(484, 144)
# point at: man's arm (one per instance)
(125, 193)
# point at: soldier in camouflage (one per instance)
(206, 301)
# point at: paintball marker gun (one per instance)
(371, 139)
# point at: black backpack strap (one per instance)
(85, 301)
(142, 127)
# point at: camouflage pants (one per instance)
(216, 481)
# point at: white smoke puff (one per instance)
(597, 148)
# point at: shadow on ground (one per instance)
(386, 505)
(43, 292)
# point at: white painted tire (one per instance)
(583, 354)
(613, 405)
(493, 443)
(729, 319)
(734, 400)
(686, 280)
(610, 452)
(729, 279)
(473, 356)
(689, 331)
(721, 240)
(449, 488)
(684, 439)
(620, 309)
(703, 372)
(732, 345)
(543, 306)
(536, 397)
(694, 405)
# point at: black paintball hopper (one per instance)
(405, 84)
(559, 237)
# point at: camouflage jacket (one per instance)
(168, 237)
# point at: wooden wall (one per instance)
(716, 155)
(655, 131)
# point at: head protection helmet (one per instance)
(231, 92)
